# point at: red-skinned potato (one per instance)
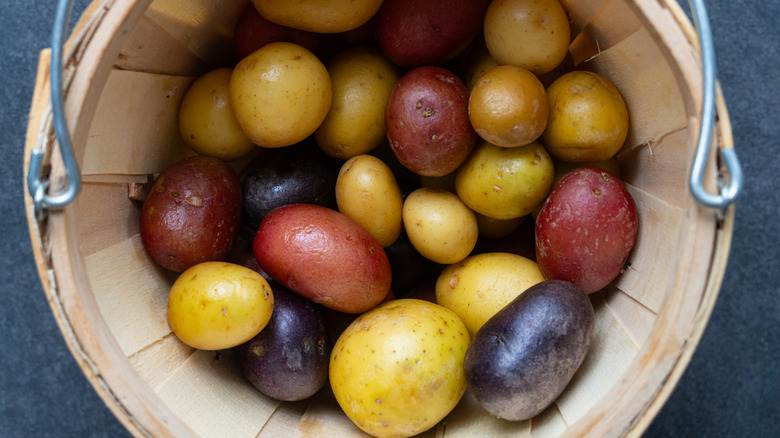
(324, 256)
(413, 33)
(192, 213)
(252, 31)
(428, 126)
(586, 229)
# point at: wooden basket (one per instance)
(128, 63)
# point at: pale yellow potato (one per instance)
(321, 16)
(508, 106)
(439, 225)
(397, 370)
(505, 183)
(362, 80)
(533, 34)
(218, 305)
(207, 122)
(280, 94)
(588, 118)
(481, 285)
(367, 193)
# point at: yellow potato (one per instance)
(481, 285)
(440, 226)
(505, 183)
(218, 305)
(280, 94)
(508, 106)
(397, 370)
(367, 193)
(321, 16)
(207, 122)
(478, 63)
(362, 80)
(496, 228)
(588, 118)
(533, 34)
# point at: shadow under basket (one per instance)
(127, 66)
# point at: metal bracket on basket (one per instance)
(728, 156)
(37, 185)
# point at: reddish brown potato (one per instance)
(428, 126)
(252, 31)
(586, 229)
(323, 255)
(192, 213)
(413, 33)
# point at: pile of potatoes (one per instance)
(427, 193)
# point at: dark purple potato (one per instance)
(300, 173)
(288, 359)
(522, 358)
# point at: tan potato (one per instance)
(207, 122)
(362, 80)
(481, 285)
(439, 225)
(367, 193)
(508, 106)
(588, 118)
(539, 27)
(219, 305)
(280, 94)
(321, 16)
(397, 370)
(505, 183)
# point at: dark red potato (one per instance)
(586, 229)
(252, 31)
(428, 125)
(324, 256)
(192, 213)
(414, 33)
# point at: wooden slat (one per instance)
(160, 360)
(135, 130)
(636, 319)
(284, 421)
(113, 217)
(469, 419)
(324, 418)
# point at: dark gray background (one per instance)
(731, 388)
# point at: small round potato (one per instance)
(280, 94)
(362, 80)
(481, 285)
(505, 183)
(397, 370)
(207, 122)
(539, 27)
(588, 118)
(219, 305)
(367, 193)
(321, 16)
(508, 106)
(439, 225)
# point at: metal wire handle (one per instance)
(728, 191)
(35, 184)
(44, 201)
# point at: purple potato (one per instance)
(288, 359)
(522, 358)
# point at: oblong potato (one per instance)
(362, 80)
(367, 192)
(280, 94)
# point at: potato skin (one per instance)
(324, 256)
(586, 229)
(397, 370)
(428, 125)
(280, 94)
(218, 305)
(253, 31)
(482, 284)
(523, 358)
(192, 213)
(288, 359)
(414, 33)
(321, 16)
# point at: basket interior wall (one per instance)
(133, 135)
